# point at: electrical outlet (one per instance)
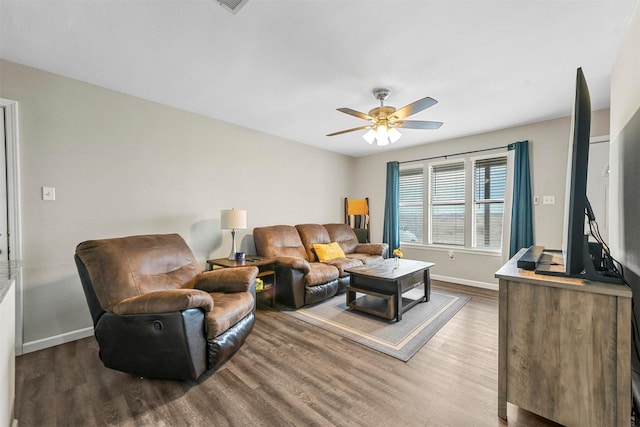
(549, 200)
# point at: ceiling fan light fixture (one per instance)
(370, 136)
(384, 119)
(382, 135)
(394, 135)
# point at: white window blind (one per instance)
(489, 186)
(447, 204)
(411, 204)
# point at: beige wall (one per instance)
(122, 165)
(548, 145)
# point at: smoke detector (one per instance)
(233, 6)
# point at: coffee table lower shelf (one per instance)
(376, 303)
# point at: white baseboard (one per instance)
(43, 343)
(466, 282)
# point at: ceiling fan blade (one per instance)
(417, 124)
(349, 130)
(358, 114)
(415, 107)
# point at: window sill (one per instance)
(458, 249)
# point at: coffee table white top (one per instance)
(387, 269)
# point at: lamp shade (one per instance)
(394, 135)
(370, 136)
(233, 219)
(382, 135)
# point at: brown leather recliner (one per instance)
(155, 314)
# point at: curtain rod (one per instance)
(456, 154)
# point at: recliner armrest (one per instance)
(372, 248)
(294, 262)
(237, 279)
(165, 302)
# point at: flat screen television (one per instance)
(581, 258)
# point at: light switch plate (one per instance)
(48, 193)
(549, 200)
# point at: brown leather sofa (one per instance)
(155, 314)
(302, 278)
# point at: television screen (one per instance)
(582, 259)
(576, 182)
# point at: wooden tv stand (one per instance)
(564, 348)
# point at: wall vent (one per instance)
(233, 6)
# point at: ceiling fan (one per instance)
(385, 119)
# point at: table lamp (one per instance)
(233, 219)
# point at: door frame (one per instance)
(13, 207)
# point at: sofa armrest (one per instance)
(237, 279)
(294, 262)
(372, 248)
(165, 302)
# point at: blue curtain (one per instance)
(391, 231)
(522, 209)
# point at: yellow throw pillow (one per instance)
(326, 252)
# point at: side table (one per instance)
(266, 271)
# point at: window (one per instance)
(447, 207)
(490, 179)
(411, 205)
(454, 203)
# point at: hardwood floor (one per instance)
(287, 373)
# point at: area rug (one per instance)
(398, 339)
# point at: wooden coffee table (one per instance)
(383, 285)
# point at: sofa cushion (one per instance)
(366, 258)
(372, 248)
(342, 263)
(279, 241)
(228, 309)
(320, 273)
(311, 234)
(328, 251)
(344, 235)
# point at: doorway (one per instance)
(598, 183)
(4, 244)
(10, 230)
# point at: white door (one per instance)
(4, 249)
(598, 185)
(9, 202)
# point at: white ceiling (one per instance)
(283, 67)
